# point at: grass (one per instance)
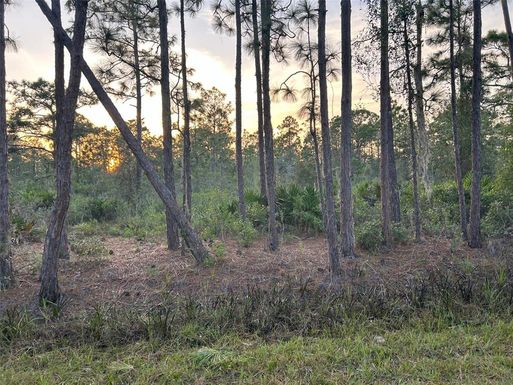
(466, 354)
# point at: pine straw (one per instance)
(138, 273)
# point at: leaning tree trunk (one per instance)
(238, 111)
(475, 196)
(258, 76)
(411, 124)
(423, 142)
(456, 128)
(138, 97)
(173, 241)
(266, 10)
(346, 195)
(192, 240)
(6, 270)
(49, 281)
(386, 117)
(507, 23)
(331, 221)
(187, 169)
(60, 90)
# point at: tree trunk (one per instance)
(258, 76)
(6, 270)
(49, 282)
(173, 241)
(411, 124)
(60, 90)
(507, 23)
(423, 142)
(475, 196)
(192, 240)
(385, 118)
(187, 188)
(318, 167)
(138, 96)
(313, 124)
(266, 10)
(238, 111)
(331, 221)
(456, 128)
(346, 194)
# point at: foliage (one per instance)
(299, 207)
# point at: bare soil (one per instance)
(138, 273)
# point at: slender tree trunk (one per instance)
(313, 123)
(192, 240)
(456, 128)
(475, 197)
(6, 270)
(409, 88)
(173, 241)
(385, 115)
(331, 221)
(318, 167)
(187, 118)
(258, 76)
(60, 90)
(138, 95)
(49, 282)
(507, 23)
(423, 142)
(266, 10)
(238, 111)
(346, 194)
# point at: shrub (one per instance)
(38, 197)
(400, 233)
(299, 207)
(369, 236)
(100, 209)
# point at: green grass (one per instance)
(415, 354)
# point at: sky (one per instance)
(211, 54)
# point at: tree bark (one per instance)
(173, 240)
(266, 10)
(456, 128)
(6, 270)
(331, 221)
(385, 118)
(346, 194)
(411, 124)
(475, 196)
(187, 168)
(258, 76)
(507, 23)
(238, 111)
(60, 90)
(192, 240)
(423, 142)
(49, 290)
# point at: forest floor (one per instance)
(126, 272)
(131, 274)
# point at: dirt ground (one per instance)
(138, 273)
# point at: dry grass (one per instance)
(137, 273)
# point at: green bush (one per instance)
(400, 234)
(369, 236)
(38, 197)
(299, 207)
(100, 209)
